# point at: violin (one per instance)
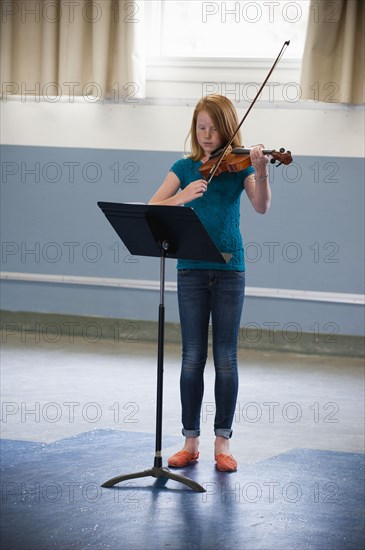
(239, 158)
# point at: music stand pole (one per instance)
(161, 231)
(158, 470)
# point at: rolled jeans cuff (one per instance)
(190, 433)
(222, 432)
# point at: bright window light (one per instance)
(245, 29)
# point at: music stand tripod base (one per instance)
(157, 472)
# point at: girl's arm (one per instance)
(257, 185)
(168, 195)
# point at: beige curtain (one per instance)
(333, 60)
(90, 48)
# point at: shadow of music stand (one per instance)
(161, 231)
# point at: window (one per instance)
(244, 29)
(198, 47)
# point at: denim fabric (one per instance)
(203, 293)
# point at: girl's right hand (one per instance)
(194, 190)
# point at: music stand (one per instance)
(161, 231)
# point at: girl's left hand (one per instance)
(258, 159)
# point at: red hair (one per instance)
(224, 116)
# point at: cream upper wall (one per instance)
(305, 129)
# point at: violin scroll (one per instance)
(280, 157)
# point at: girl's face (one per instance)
(207, 134)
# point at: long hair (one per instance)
(223, 114)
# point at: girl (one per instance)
(212, 289)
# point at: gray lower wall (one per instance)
(311, 239)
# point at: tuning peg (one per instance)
(282, 150)
(272, 160)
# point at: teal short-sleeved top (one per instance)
(218, 210)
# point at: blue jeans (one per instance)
(203, 293)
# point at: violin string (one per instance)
(217, 164)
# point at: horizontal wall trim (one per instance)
(143, 284)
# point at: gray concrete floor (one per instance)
(52, 390)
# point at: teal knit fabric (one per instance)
(218, 210)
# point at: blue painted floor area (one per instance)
(52, 499)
